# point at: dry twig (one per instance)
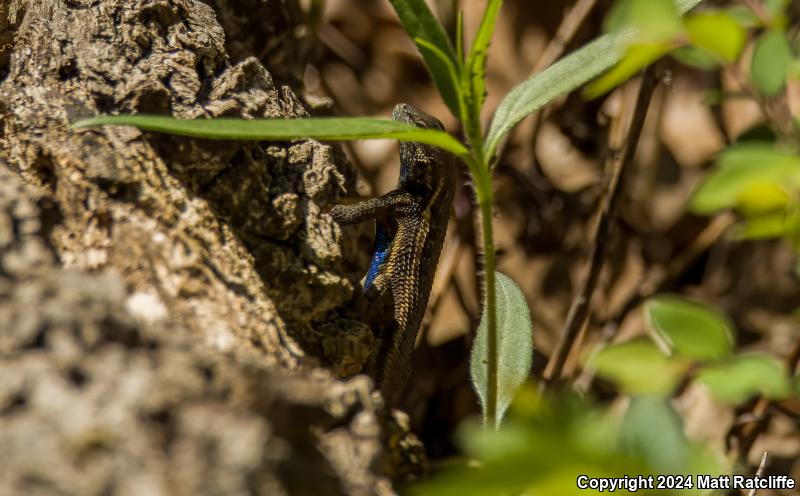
(754, 422)
(579, 310)
(655, 282)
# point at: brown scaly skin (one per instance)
(411, 222)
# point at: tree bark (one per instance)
(170, 308)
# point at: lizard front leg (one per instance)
(382, 206)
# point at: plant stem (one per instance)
(484, 186)
(579, 309)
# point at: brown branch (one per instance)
(566, 31)
(658, 281)
(754, 422)
(555, 48)
(621, 161)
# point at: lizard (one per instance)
(411, 222)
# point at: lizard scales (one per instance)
(411, 222)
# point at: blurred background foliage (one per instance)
(689, 360)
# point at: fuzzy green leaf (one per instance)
(562, 77)
(514, 346)
(326, 129)
(690, 329)
(476, 62)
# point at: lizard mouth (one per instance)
(408, 114)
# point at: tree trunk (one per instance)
(170, 308)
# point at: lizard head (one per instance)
(416, 159)
(409, 114)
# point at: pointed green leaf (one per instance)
(745, 376)
(433, 52)
(716, 33)
(562, 77)
(769, 68)
(638, 366)
(740, 168)
(690, 329)
(460, 36)
(476, 62)
(420, 24)
(514, 346)
(326, 129)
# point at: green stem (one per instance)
(484, 187)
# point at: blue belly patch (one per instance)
(382, 242)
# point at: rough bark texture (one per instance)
(164, 301)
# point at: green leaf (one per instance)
(762, 198)
(420, 24)
(433, 52)
(539, 453)
(744, 16)
(745, 376)
(656, 20)
(637, 58)
(476, 62)
(776, 7)
(460, 35)
(638, 366)
(652, 431)
(664, 446)
(741, 167)
(514, 346)
(657, 25)
(769, 226)
(562, 77)
(769, 68)
(690, 329)
(326, 129)
(542, 449)
(717, 33)
(695, 57)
